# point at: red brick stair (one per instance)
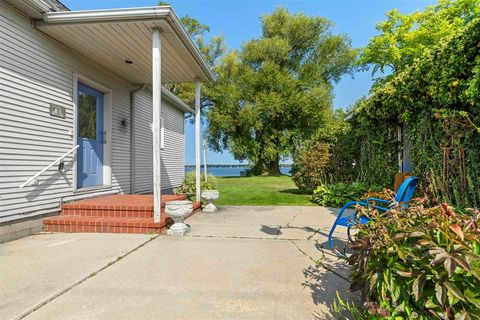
(112, 214)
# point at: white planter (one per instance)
(178, 210)
(210, 196)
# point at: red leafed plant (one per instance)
(417, 263)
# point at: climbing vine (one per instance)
(438, 97)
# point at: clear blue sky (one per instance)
(239, 21)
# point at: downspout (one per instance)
(132, 136)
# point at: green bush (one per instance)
(188, 185)
(417, 263)
(336, 195)
(329, 156)
(437, 97)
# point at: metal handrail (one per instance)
(33, 179)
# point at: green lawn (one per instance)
(260, 191)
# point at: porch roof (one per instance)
(115, 37)
(176, 101)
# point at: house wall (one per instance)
(172, 159)
(35, 71)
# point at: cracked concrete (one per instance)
(237, 263)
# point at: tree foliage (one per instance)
(211, 49)
(328, 157)
(277, 90)
(405, 37)
(438, 96)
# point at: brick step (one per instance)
(67, 223)
(116, 206)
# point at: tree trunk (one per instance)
(272, 168)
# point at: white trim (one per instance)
(197, 140)
(156, 116)
(38, 5)
(107, 126)
(106, 15)
(176, 101)
(162, 134)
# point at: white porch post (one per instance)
(197, 139)
(157, 111)
(205, 159)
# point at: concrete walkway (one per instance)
(238, 263)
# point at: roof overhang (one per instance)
(32, 8)
(112, 37)
(175, 101)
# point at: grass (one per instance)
(277, 191)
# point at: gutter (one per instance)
(106, 15)
(165, 13)
(170, 97)
(38, 5)
(132, 136)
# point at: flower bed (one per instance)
(417, 263)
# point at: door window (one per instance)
(87, 116)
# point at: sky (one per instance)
(239, 21)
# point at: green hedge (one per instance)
(439, 98)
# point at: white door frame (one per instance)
(107, 126)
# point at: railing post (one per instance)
(157, 111)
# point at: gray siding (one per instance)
(172, 159)
(35, 71)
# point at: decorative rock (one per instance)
(210, 196)
(178, 210)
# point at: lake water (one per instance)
(230, 172)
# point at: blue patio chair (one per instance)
(402, 197)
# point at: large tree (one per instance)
(212, 49)
(403, 38)
(277, 90)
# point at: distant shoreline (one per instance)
(245, 166)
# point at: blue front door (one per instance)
(89, 137)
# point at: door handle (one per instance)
(105, 136)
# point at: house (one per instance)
(82, 110)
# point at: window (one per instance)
(87, 116)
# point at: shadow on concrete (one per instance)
(339, 244)
(273, 231)
(324, 286)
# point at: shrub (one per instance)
(188, 185)
(385, 194)
(417, 263)
(310, 169)
(437, 97)
(336, 195)
(328, 157)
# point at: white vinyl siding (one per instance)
(36, 71)
(172, 155)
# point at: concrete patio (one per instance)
(238, 263)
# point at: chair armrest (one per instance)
(381, 208)
(377, 200)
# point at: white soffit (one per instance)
(110, 37)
